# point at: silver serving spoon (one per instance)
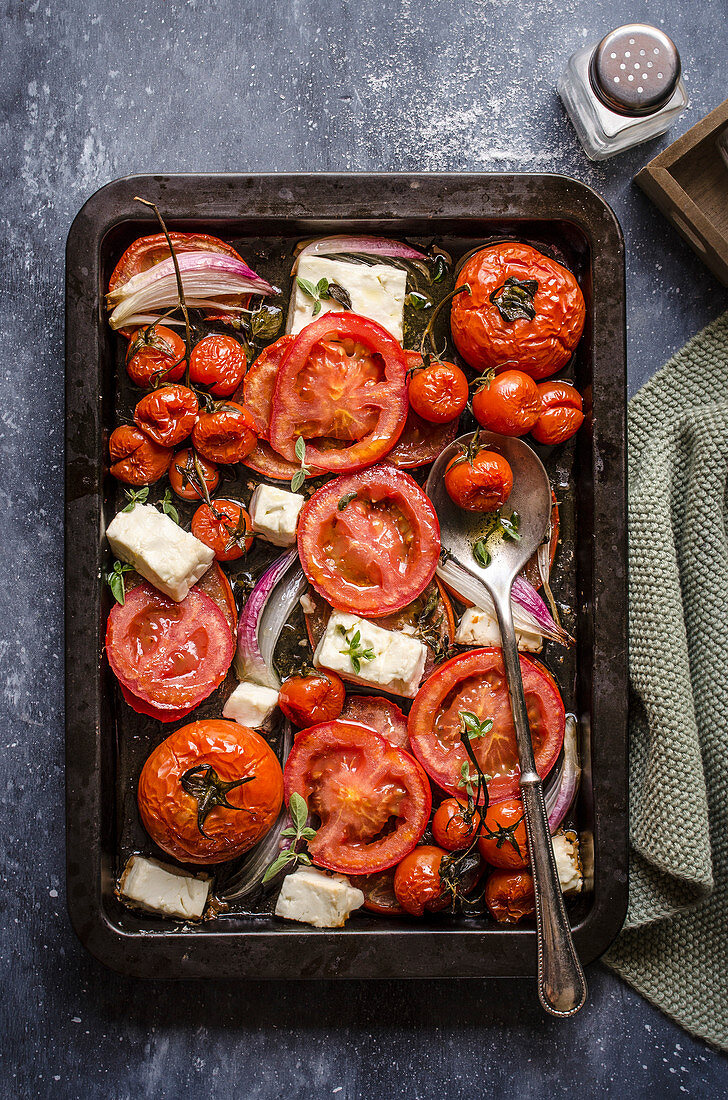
(561, 983)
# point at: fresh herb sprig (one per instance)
(115, 580)
(481, 553)
(299, 832)
(135, 496)
(511, 525)
(324, 291)
(355, 651)
(168, 507)
(300, 475)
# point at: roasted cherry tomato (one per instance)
(309, 700)
(225, 527)
(373, 800)
(341, 387)
(379, 714)
(480, 483)
(417, 883)
(219, 363)
(508, 403)
(561, 413)
(369, 542)
(187, 473)
(452, 828)
(210, 791)
(438, 392)
(155, 354)
(167, 415)
(420, 441)
(509, 896)
(260, 382)
(524, 310)
(505, 845)
(135, 458)
(172, 655)
(475, 682)
(226, 435)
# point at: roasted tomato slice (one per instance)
(162, 714)
(341, 387)
(369, 542)
(476, 682)
(379, 714)
(373, 800)
(165, 653)
(260, 382)
(524, 310)
(215, 584)
(210, 791)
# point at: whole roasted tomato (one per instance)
(561, 413)
(187, 473)
(480, 481)
(167, 415)
(417, 883)
(524, 310)
(218, 362)
(508, 403)
(225, 435)
(503, 841)
(341, 388)
(156, 353)
(308, 700)
(452, 827)
(438, 391)
(210, 791)
(509, 896)
(135, 458)
(225, 527)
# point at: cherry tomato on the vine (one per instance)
(155, 353)
(225, 435)
(417, 882)
(480, 483)
(308, 700)
(185, 471)
(135, 458)
(225, 527)
(450, 827)
(561, 413)
(508, 403)
(509, 896)
(167, 415)
(438, 392)
(508, 847)
(218, 362)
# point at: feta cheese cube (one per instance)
(158, 888)
(568, 864)
(377, 292)
(396, 660)
(162, 552)
(481, 628)
(251, 705)
(313, 897)
(274, 514)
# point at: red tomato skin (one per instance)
(259, 384)
(509, 896)
(351, 753)
(379, 714)
(378, 890)
(215, 584)
(507, 814)
(509, 404)
(310, 700)
(226, 435)
(161, 359)
(449, 828)
(540, 346)
(562, 413)
(184, 489)
(167, 415)
(417, 883)
(169, 813)
(135, 458)
(216, 532)
(481, 485)
(373, 486)
(438, 392)
(291, 410)
(218, 362)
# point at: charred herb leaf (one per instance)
(338, 294)
(265, 322)
(514, 299)
(115, 580)
(481, 553)
(510, 525)
(346, 499)
(209, 791)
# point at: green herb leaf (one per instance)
(307, 287)
(468, 778)
(285, 859)
(346, 499)
(115, 580)
(300, 448)
(481, 553)
(474, 727)
(417, 301)
(300, 475)
(297, 480)
(355, 651)
(322, 288)
(168, 508)
(510, 525)
(298, 810)
(440, 269)
(265, 322)
(136, 496)
(304, 858)
(290, 832)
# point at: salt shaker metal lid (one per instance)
(635, 69)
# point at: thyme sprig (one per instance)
(180, 288)
(115, 580)
(355, 651)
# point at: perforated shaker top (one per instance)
(634, 70)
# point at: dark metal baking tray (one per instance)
(552, 211)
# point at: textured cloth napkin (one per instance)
(674, 946)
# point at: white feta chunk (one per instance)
(377, 292)
(162, 552)
(387, 659)
(481, 628)
(158, 888)
(313, 897)
(274, 514)
(251, 705)
(568, 863)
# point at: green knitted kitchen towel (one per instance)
(674, 946)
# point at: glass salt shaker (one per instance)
(624, 90)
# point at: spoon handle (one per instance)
(561, 982)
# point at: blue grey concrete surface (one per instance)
(95, 90)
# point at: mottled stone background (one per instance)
(96, 90)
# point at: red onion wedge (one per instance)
(371, 246)
(210, 281)
(262, 619)
(561, 794)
